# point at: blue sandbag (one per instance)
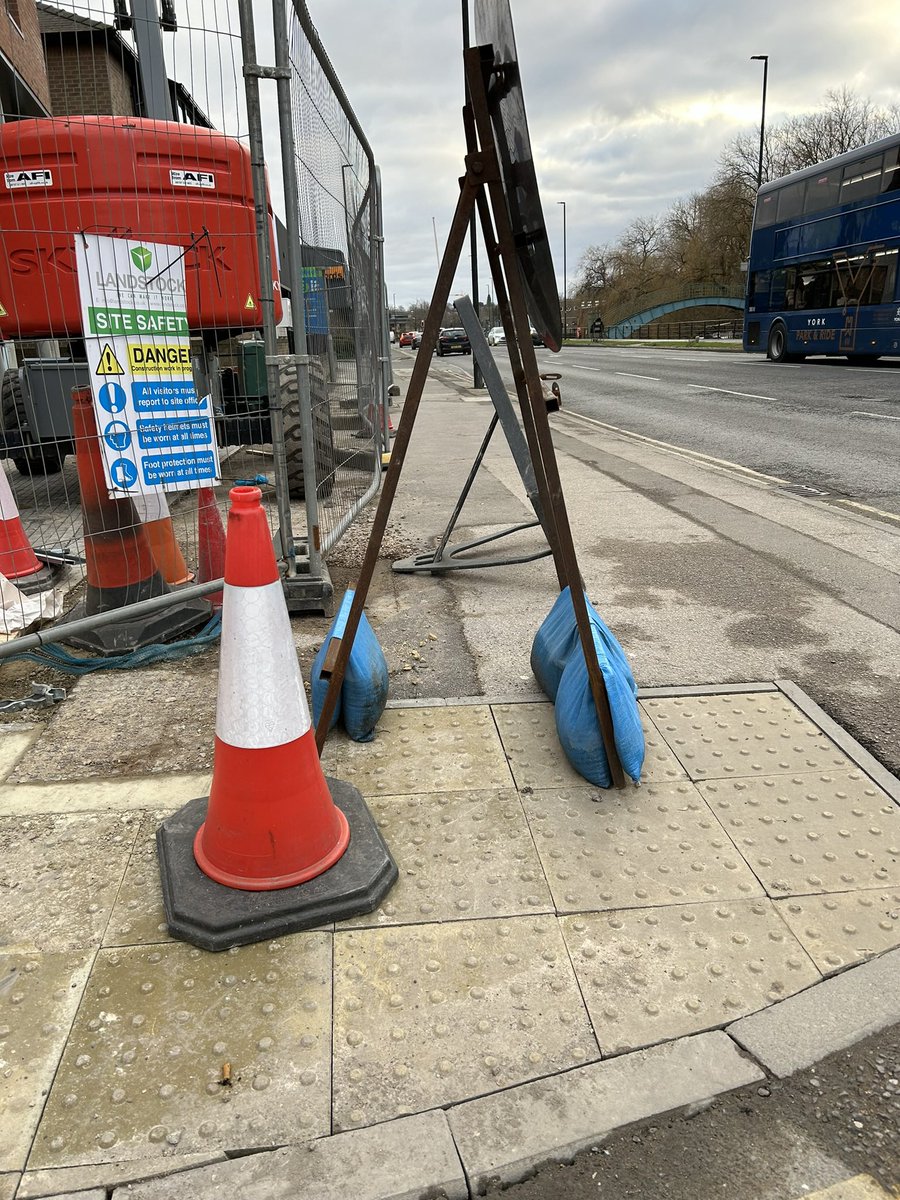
(364, 691)
(558, 638)
(577, 723)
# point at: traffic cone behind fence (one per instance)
(270, 850)
(153, 511)
(18, 560)
(120, 566)
(211, 542)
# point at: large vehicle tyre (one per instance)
(34, 458)
(323, 451)
(863, 360)
(776, 347)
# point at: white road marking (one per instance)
(873, 416)
(702, 387)
(631, 375)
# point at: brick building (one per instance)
(24, 90)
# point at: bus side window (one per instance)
(890, 179)
(776, 300)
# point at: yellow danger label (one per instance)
(157, 360)
(109, 364)
(249, 303)
(3, 312)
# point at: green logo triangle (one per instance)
(141, 257)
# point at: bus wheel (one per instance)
(776, 347)
(863, 360)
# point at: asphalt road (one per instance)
(821, 424)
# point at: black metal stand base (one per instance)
(214, 917)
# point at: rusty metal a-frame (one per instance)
(482, 188)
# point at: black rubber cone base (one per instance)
(181, 618)
(215, 917)
(41, 581)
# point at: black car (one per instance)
(453, 341)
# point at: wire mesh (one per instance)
(79, 154)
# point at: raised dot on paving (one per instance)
(846, 927)
(138, 917)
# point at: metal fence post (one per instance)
(252, 74)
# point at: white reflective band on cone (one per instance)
(261, 698)
(9, 510)
(150, 506)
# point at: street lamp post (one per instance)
(764, 59)
(565, 280)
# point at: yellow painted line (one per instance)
(682, 450)
(878, 512)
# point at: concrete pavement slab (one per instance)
(650, 975)
(860, 1187)
(13, 744)
(506, 1135)
(59, 877)
(422, 750)
(400, 1160)
(428, 1015)
(846, 927)
(144, 1068)
(721, 737)
(461, 855)
(39, 994)
(633, 849)
(8, 1185)
(816, 832)
(831, 1016)
(98, 795)
(37, 1184)
(138, 917)
(537, 760)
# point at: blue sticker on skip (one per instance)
(165, 396)
(174, 431)
(178, 468)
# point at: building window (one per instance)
(12, 11)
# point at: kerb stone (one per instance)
(829, 1017)
(400, 1160)
(506, 1135)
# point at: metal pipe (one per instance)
(298, 299)
(266, 280)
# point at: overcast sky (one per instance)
(629, 102)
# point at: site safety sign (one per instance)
(156, 433)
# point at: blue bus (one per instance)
(822, 276)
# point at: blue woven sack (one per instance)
(576, 717)
(557, 639)
(364, 691)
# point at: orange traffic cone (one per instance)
(211, 542)
(18, 560)
(153, 511)
(270, 852)
(121, 569)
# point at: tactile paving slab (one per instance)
(461, 855)
(537, 760)
(138, 917)
(730, 736)
(428, 1015)
(144, 1071)
(59, 876)
(660, 845)
(841, 929)
(649, 975)
(39, 994)
(420, 750)
(834, 832)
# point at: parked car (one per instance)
(416, 339)
(536, 339)
(453, 341)
(497, 336)
(406, 337)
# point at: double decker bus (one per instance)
(822, 275)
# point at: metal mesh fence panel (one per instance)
(151, 146)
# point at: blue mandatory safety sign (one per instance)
(165, 396)
(112, 397)
(174, 431)
(117, 435)
(123, 473)
(178, 468)
(315, 296)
